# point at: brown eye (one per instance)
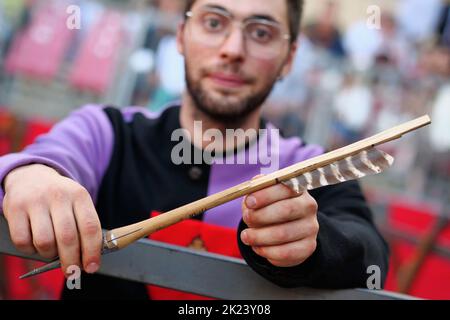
(261, 33)
(213, 23)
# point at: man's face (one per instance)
(230, 79)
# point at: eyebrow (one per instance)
(252, 17)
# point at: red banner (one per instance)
(95, 65)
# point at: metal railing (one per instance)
(200, 273)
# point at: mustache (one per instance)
(229, 69)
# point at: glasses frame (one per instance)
(243, 24)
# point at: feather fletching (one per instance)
(366, 163)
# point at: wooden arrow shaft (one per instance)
(129, 234)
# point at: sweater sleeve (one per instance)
(79, 148)
(348, 243)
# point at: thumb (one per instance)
(244, 207)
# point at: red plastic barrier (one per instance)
(47, 286)
(34, 129)
(433, 279)
(6, 123)
(212, 238)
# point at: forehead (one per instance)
(277, 9)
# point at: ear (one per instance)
(180, 38)
(290, 60)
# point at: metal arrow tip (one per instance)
(48, 267)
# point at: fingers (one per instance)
(280, 234)
(283, 225)
(20, 231)
(43, 235)
(269, 196)
(53, 215)
(90, 231)
(281, 211)
(290, 254)
(66, 234)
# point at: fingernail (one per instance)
(245, 214)
(92, 268)
(250, 202)
(244, 237)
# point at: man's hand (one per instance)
(283, 225)
(52, 215)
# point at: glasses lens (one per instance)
(264, 40)
(209, 27)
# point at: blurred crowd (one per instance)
(354, 82)
(349, 83)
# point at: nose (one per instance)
(233, 47)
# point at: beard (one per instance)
(226, 107)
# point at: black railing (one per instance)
(200, 273)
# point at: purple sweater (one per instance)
(123, 158)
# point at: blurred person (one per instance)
(434, 63)
(108, 167)
(362, 44)
(4, 32)
(440, 129)
(286, 105)
(394, 49)
(369, 46)
(165, 15)
(406, 16)
(14, 16)
(352, 108)
(324, 33)
(166, 81)
(169, 78)
(444, 26)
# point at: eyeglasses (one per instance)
(264, 39)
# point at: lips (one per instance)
(226, 80)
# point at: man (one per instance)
(108, 167)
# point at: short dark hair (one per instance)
(295, 11)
